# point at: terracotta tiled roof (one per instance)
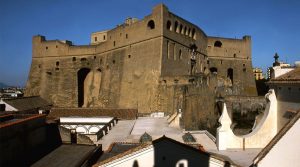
(290, 77)
(28, 103)
(274, 141)
(93, 112)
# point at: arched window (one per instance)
(230, 74)
(189, 31)
(218, 44)
(176, 26)
(169, 25)
(213, 70)
(180, 54)
(193, 33)
(151, 24)
(180, 29)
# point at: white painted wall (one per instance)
(286, 152)
(85, 119)
(258, 138)
(278, 71)
(8, 107)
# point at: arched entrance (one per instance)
(81, 75)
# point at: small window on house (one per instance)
(107, 67)
(169, 25)
(218, 44)
(74, 59)
(151, 24)
(96, 39)
(176, 27)
(57, 63)
(103, 37)
(244, 69)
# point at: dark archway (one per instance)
(218, 44)
(230, 74)
(213, 69)
(151, 24)
(81, 75)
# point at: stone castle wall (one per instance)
(141, 64)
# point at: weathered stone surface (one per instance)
(151, 65)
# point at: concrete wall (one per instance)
(286, 151)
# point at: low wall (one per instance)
(263, 133)
(93, 112)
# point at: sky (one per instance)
(274, 25)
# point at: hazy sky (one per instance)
(273, 24)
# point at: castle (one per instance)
(160, 63)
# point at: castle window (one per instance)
(234, 55)
(46, 47)
(94, 57)
(207, 61)
(129, 56)
(83, 59)
(189, 32)
(184, 32)
(243, 65)
(218, 44)
(74, 59)
(230, 74)
(103, 37)
(114, 43)
(221, 62)
(180, 29)
(126, 36)
(100, 61)
(57, 69)
(120, 34)
(193, 34)
(169, 25)
(176, 27)
(56, 46)
(96, 39)
(151, 24)
(180, 54)
(57, 63)
(114, 61)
